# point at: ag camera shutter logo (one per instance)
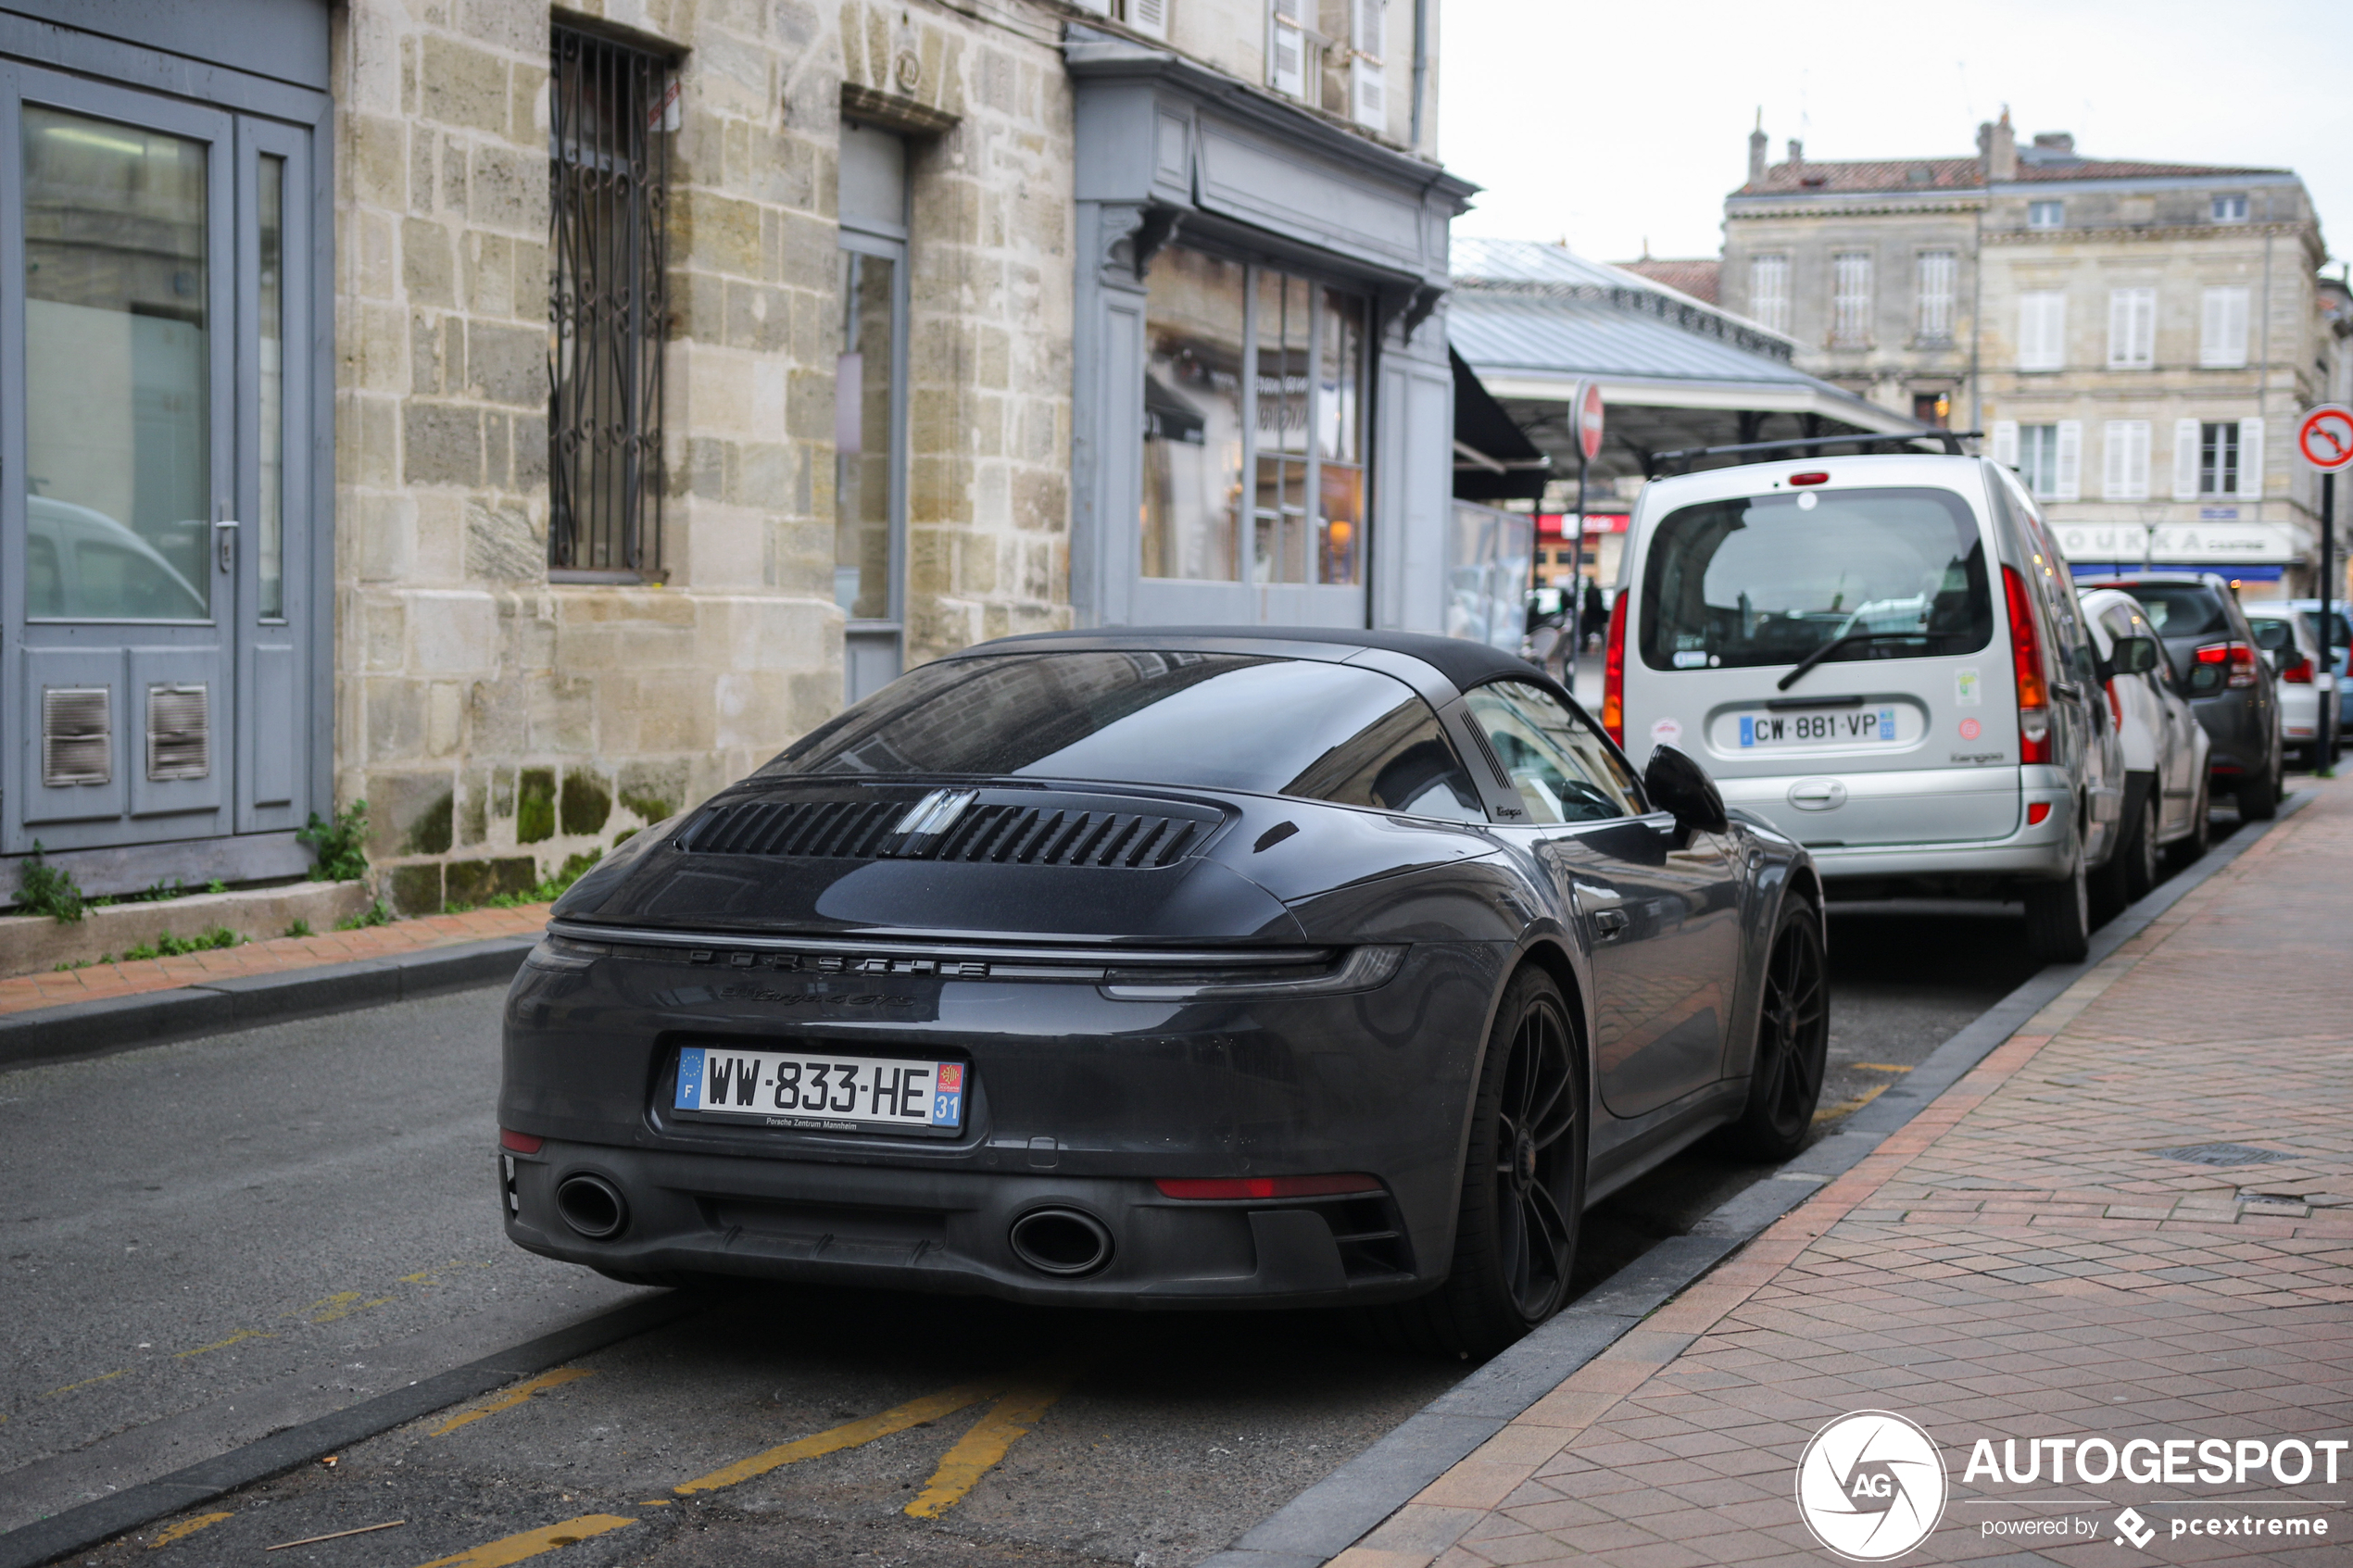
(1871, 1486)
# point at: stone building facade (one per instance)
(634, 382)
(2136, 337)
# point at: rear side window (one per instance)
(2271, 635)
(1891, 573)
(1563, 771)
(2186, 610)
(1273, 726)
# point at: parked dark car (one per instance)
(2219, 666)
(1166, 968)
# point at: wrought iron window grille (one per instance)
(610, 116)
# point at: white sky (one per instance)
(1606, 123)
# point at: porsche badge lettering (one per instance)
(830, 964)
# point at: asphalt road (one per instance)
(209, 1241)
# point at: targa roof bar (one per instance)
(1661, 463)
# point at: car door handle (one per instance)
(1609, 924)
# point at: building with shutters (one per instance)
(527, 418)
(2135, 338)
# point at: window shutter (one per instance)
(2234, 324)
(1149, 16)
(1287, 51)
(2136, 460)
(2251, 460)
(2223, 328)
(2067, 484)
(2132, 329)
(2042, 331)
(2005, 443)
(2112, 460)
(2186, 460)
(1368, 78)
(1101, 7)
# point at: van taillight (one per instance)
(1614, 672)
(2300, 672)
(2026, 659)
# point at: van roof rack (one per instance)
(1661, 463)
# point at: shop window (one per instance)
(609, 125)
(1254, 446)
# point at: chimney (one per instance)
(1757, 150)
(2001, 148)
(2061, 142)
(1796, 153)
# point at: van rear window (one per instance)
(1893, 573)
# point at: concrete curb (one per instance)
(1339, 1511)
(78, 1528)
(118, 1023)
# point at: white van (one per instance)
(1881, 656)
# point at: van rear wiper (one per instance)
(1832, 646)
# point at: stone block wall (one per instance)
(499, 723)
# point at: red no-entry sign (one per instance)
(2324, 437)
(1588, 421)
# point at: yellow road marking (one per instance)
(1879, 1067)
(979, 1449)
(102, 1377)
(430, 1276)
(237, 1338)
(914, 1413)
(531, 1543)
(340, 1305)
(185, 1528)
(514, 1397)
(1849, 1107)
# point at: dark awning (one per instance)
(1492, 460)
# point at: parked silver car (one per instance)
(2164, 746)
(2305, 691)
(1881, 656)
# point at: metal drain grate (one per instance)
(2220, 1154)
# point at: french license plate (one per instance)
(821, 1092)
(1836, 727)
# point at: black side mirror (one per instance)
(1679, 785)
(2132, 656)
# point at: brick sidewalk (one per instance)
(92, 982)
(2017, 1262)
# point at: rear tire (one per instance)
(2058, 919)
(2190, 848)
(2259, 799)
(1523, 1194)
(2143, 863)
(1792, 1039)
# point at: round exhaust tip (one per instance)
(592, 1206)
(1060, 1241)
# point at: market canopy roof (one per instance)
(1535, 320)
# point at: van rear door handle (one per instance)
(1609, 924)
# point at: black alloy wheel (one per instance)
(1792, 1040)
(1538, 1241)
(1523, 1193)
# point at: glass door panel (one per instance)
(117, 369)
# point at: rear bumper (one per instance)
(2044, 851)
(948, 1231)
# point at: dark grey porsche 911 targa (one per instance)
(1168, 968)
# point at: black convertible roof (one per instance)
(1462, 662)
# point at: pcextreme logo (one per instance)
(1871, 1486)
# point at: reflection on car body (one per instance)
(1281, 969)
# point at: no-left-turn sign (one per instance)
(2324, 437)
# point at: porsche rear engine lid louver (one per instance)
(1044, 832)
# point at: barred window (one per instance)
(610, 120)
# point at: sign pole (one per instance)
(2328, 604)
(2324, 440)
